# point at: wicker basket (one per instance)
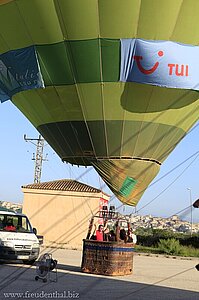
(107, 258)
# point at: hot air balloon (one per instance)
(108, 83)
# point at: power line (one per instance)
(87, 171)
(196, 153)
(173, 180)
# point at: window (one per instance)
(14, 223)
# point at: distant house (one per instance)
(61, 209)
(10, 206)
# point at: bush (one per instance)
(170, 246)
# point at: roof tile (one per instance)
(63, 185)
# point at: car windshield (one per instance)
(14, 223)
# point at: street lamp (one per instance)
(190, 199)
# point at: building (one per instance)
(10, 206)
(61, 209)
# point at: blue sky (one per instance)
(17, 169)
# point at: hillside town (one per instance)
(172, 223)
(138, 221)
(5, 205)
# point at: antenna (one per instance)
(39, 156)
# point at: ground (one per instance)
(154, 277)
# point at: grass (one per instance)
(185, 251)
(145, 249)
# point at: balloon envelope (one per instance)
(124, 129)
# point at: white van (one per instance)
(18, 239)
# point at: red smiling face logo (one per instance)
(144, 71)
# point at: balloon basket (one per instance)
(107, 258)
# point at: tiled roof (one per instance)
(63, 185)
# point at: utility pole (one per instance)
(190, 199)
(39, 156)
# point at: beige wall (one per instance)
(61, 217)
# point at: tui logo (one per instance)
(173, 69)
(140, 67)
